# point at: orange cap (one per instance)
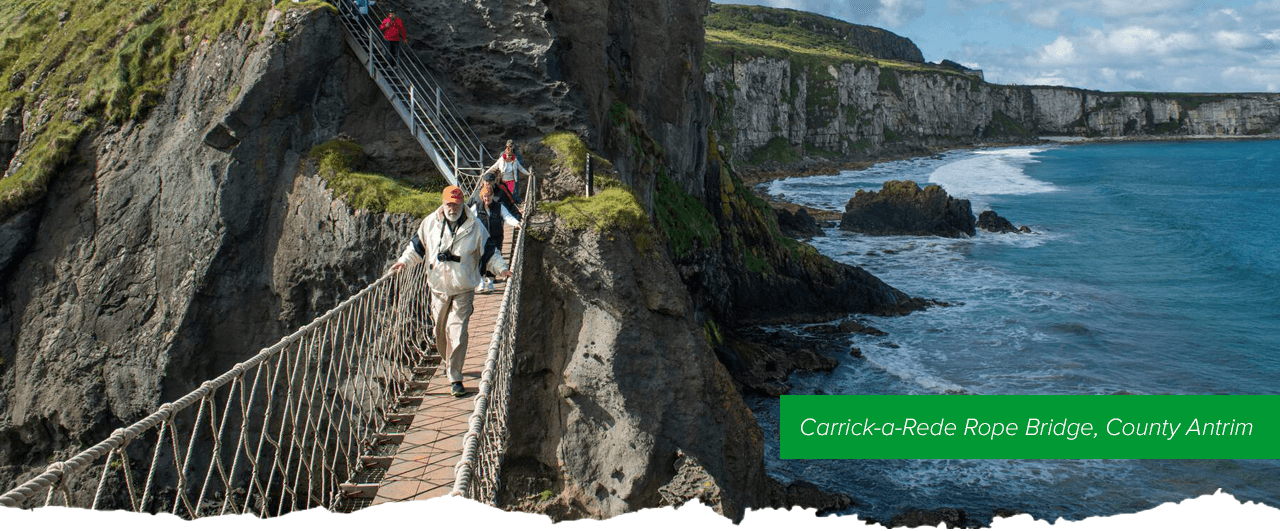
(452, 194)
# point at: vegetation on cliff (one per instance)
(337, 161)
(736, 31)
(736, 34)
(69, 67)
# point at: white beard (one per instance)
(454, 216)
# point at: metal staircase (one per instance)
(433, 120)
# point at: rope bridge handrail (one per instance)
(485, 442)
(290, 421)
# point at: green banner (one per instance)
(1030, 427)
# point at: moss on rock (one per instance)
(93, 62)
(336, 162)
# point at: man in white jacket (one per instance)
(451, 241)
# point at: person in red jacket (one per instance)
(393, 32)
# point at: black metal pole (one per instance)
(591, 177)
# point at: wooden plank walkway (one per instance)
(423, 466)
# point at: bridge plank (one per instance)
(423, 467)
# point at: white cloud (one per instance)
(1267, 78)
(1060, 51)
(895, 13)
(1142, 41)
(1044, 18)
(1125, 8)
(1235, 39)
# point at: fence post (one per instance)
(413, 113)
(591, 177)
(371, 68)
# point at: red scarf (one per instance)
(508, 156)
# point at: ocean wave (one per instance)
(994, 172)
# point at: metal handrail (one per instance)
(429, 110)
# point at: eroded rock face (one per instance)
(160, 260)
(10, 135)
(953, 518)
(903, 208)
(616, 383)
(858, 111)
(798, 225)
(989, 221)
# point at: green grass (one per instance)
(724, 46)
(741, 20)
(683, 218)
(1003, 126)
(891, 136)
(815, 150)
(613, 208)
(571, 154)
(90, 62)
(335, 161)
(778, 149)
(889, 82)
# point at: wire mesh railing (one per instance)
(277, 433)
(417, 97)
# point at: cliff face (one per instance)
(780, 109)
(622, 383)
(171, 249)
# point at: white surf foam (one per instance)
(991, 172)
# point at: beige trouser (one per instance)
(451, 316)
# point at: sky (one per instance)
(1111, 45)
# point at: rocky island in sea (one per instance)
(161, 221)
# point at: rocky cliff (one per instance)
(621, 322)
(170, 249)
(774, 105)
(768, 22)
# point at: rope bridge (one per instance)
(286, 429)
(276, 433)
(296, 425)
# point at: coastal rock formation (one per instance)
(10, 135)
(876, 42)
(619, 385)
(903, 208)
(798, 225)
(744, 273)
(524, 69)
(157, 261)
(953, 518)
(989, 221)
(770, 108)
(762, 365)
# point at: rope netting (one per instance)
(276, 433)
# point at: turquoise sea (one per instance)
(1154, 269)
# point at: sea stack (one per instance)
(902, 208)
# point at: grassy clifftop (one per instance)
(733, 31)
(71, 66)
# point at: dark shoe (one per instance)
(457, 390)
